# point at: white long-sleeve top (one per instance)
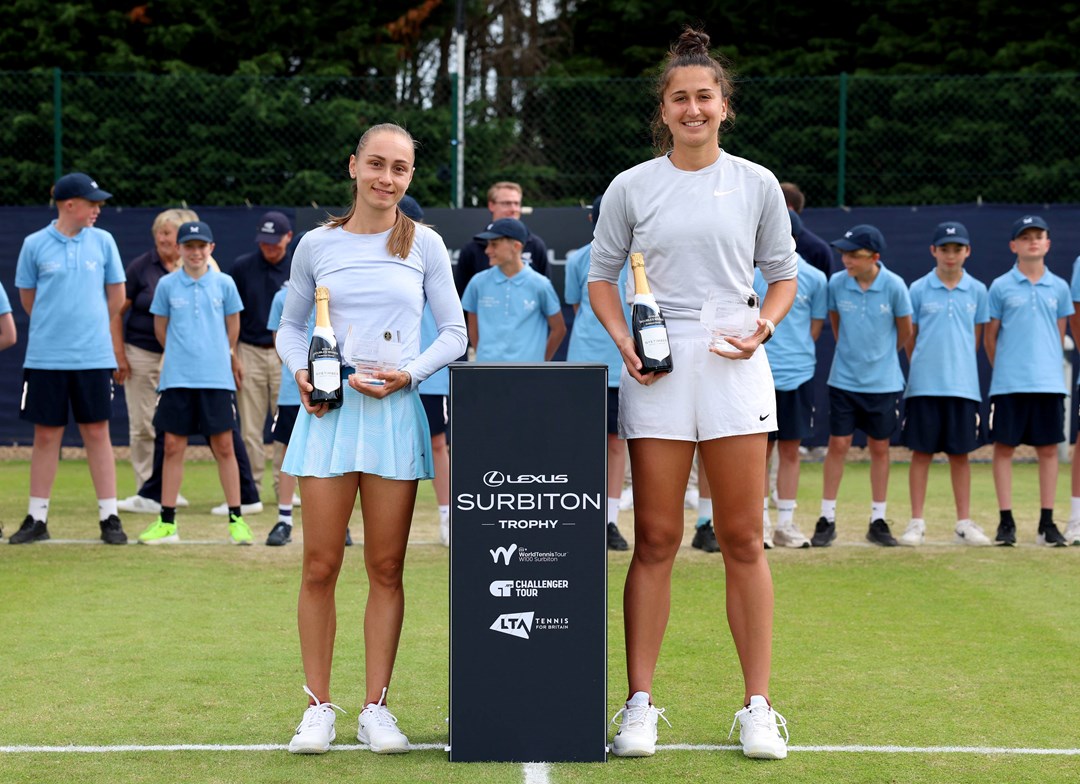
(699, 231)
(376, 294)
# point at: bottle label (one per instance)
(654, 342)
(326, 374)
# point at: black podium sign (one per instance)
(528, 562)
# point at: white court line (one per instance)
(190, 747)
(885, 749)
(536, 773)
(441, 747)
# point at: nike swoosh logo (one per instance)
(724, 193)
(763, 417)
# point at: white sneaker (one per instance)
(378, 729)
(969, 533)
(789, 536)
(444, 531)
(626, 499)
(690, 500)
(1072, 532)
(316, 731)
(139, 505)
(759, 730)
(914, 534)
(637, 728)
(181, 501)
(222, 510)
(767, 531)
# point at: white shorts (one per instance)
(704, 397)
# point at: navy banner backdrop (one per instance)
(907, 230)
(528, 562)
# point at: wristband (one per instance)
(770, 328)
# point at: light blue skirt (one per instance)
(388, 438)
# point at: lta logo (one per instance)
(514, 624)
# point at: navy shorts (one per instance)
(435, 408)
(942, 424)
(613, 410)
(183, 411)
(794, 413)
(47, 395)
(874, 413)
(1032, 418)
(283, 423)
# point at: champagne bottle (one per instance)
(647, 323)
(324, 358)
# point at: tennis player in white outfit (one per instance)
(703, 219)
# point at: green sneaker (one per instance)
(159, 532)
(239, 531)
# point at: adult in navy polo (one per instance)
(504, 201)
(259, 275)
(513, 312)
(71, 283)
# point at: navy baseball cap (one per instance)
(505, 227)
(272, 227)
(78, 186)
(411, 207)
(194, 231)
(1028, 222)
(861, 237)
(951, 231)
(796, 223)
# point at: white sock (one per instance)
(877, 511)
(918, 520)
(704, 508)
(1074, 508)
(444, 513)
(828, 509)
(39, 508)
(785, 511)
(965, 521)
(284, 514)
(106, 507)
(639, 698)
(613, 510)
(765, 513)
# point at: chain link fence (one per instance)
(219, 141)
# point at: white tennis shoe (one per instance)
(315, 732)
(759, 730)
(637, 722)
(377, 729)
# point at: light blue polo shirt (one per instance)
(791, 351)
(1074, 288)
(69, 324)
(866, 358)
(945, 362)
(1029, 356)
(589, 341)
(438, 383)
(511, 314)
(196, 343)
(5, 303)
(288, 392)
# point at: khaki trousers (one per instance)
(255, 399)
(140, 392)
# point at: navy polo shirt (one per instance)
(143, 275)
(473, 260)
(258, 281)
(815, 250)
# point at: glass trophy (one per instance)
(729, 314)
